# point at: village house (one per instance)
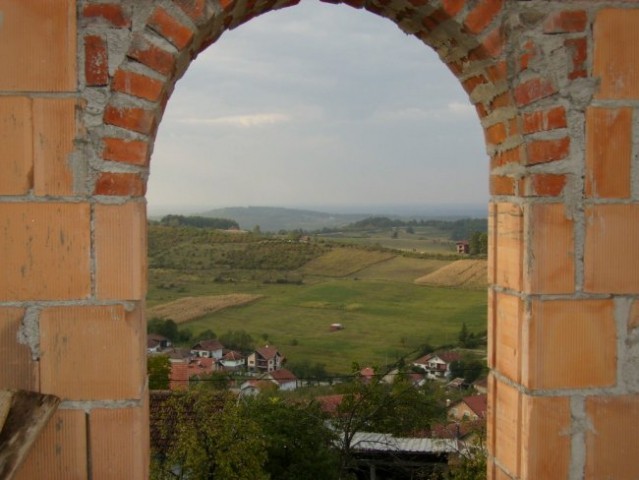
(283, 378)
(232, 360)
(156, 343)
(208, 349)
(437, 365)
(463, 247)
(473, 407)
(265, 359)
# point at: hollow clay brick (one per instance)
(60, 452)
(545, 447)
(608, 152)
(16, 145)
(120, 248)
(43, 241)
(610, 262)
(19, 371)
(509, 311)
(116, 447)
(55, 128)
(29, 61)
(614, 64)
(551, 267)
(508, 256)
(79, 346)
(507, 413)
(611, 443)
(570, 344)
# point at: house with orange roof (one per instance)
(232, 360)
(211, 348)
(283, 378)
(437, 364)
(473, 407)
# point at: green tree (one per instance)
(158, 368)
(398, 408)
(204, 435)
(300, 444)
(238, 340)
(478, 243)
(463, 336)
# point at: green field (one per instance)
(371, 293)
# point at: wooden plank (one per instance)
(29, 412)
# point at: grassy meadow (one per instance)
(371, 293)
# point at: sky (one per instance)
(317, 106)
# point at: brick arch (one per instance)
(554, 85)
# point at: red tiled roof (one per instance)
(267, 352)
(208, 345)
(179, 376)
(478, 404)
(449, 356)
(329, 403)
(233, 355)
(282, 376)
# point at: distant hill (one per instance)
(274, 219)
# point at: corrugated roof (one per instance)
(383, 442)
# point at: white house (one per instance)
(437, 365)
(232, 360)
(265, 359)
(208, 349)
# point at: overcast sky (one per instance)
(317, 105)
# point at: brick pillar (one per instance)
(564, 355)
(72, 279)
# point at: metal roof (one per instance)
(383, 442)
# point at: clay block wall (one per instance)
(556, 88)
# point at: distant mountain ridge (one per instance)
(274, 219)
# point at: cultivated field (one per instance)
(340, 262)
(462, 273)
(191, 308)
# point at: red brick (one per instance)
(545, 120)
(497, 72)
(134, 152)
(610, 261)
(542, 151)
(481, 16)
(96, 62)
(39, 241)
(502, 185)
(137, 85)
(78, 345)
(152, 56)
(132, 118)
(19, 371)
(495, 134)
(111, 13)
(471, 83)
(608, 152)
(616, 67)
(452, 7)
(578, 47)
(227, 5)
(500, 101)
(16, 145)
(492, 44)
(195, 9)
(533, 90)
(561, 334)
(545, 184)
(60, 451)
(566, 21)
(551, 266)
(170, 28)
(505, 158)
(530, 52)
(120, 184)
(120, 251)
(611, 443)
